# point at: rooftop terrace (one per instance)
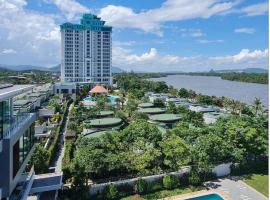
(13, 90)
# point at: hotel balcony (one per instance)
(36, 184)
(17, 123)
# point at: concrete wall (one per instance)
(219, 170)
(222, 169)
(46, 112)
(97, 188)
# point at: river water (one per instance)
(211, 85)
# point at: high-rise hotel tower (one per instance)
(86, 55)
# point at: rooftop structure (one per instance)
(204, 109)
(145, 105)
(152, 110)
(165, 118)
(103, 122)
(97, 134)
(104, 113)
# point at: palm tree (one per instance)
(257, 105)
(118, 101)
(234, 106)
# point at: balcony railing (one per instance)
(17, 123)
(25, 187)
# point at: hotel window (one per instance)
(22, 147)
(5, 116)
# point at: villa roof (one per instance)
(99, 89)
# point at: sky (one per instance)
(148, 35)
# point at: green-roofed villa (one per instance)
(146, 105)
(105, 113)
(109, 122)
(165, 119)
(152, 111)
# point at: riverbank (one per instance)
(215, 86)
(260, 78)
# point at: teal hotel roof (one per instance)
(88, 22)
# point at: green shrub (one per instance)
(168, 182)
(194, 178)
(125, 189)
(154, 186)
(140, 186)
(259, 166)
(111, 192)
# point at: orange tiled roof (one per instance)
(99, 89)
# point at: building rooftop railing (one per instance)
(17, 123)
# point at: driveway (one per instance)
(235, 189)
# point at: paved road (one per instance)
(236, 189)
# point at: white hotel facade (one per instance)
(86, 55)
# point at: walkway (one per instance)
(236, 189)
(60, 153)
(57, 164)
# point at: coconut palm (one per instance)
(257, 105)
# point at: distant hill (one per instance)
(23, 67)
(56, 68)
(117, 70)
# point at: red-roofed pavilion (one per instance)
(98, 89)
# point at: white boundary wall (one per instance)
(219, 170)
(98, 188)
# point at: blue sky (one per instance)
(152, 35)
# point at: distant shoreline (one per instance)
(259, 78)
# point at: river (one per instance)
(211, 85)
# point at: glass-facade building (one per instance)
(86, 51)
(16, 141)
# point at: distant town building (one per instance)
(86, 51)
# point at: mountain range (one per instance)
(116, 70)
(51, 69)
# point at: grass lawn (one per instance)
(163, 193)
(258, 181)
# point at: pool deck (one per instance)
(231, 188)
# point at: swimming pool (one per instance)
(207, 197)
(110, 98)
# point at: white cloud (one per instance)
(255, 9)
(8, 51)
(170, 10)
(209, 41)
(245, 55)
(34, 36)
(154, 61)
(70, 8)
(197, 34)
(244, 30)
(123, 43)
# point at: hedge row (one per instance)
(259, 166)
(59, 128)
